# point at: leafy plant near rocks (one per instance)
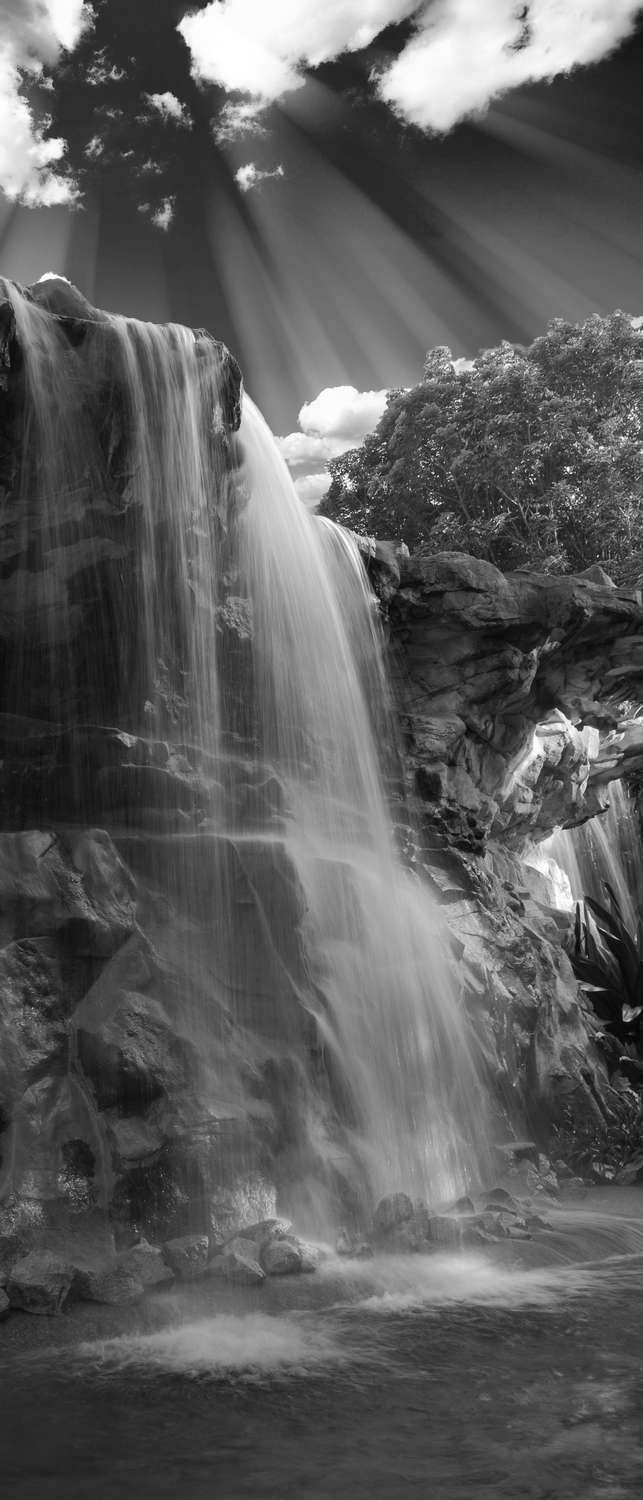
(608, 961)
(600, 1150)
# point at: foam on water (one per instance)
(249, 1347)
(431, 1284)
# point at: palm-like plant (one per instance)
(608, 961)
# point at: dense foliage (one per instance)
(609, 963)
(532, 458)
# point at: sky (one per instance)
(331, 186)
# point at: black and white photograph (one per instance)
(321, 749)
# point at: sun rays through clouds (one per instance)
(332, 188)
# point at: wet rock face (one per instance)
(40, 1283)
(154, 997)
(148, 1052)
(71, 575)
(510, 692)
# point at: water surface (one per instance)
(441, 1377)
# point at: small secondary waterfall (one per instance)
(608, 848)
(250, 647)
(390, 1013)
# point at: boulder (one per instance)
(133, 1055)
(408, 1238)
(281, 1257)
(40, 1283)
(391, 1212)
(462, 1205)
(147, 1264)
(536, 1221)
(498, 1197)
(631, 1174)
(353, 1247)
(187, 1256)
(444, 1231)
(75, 886)
(238, 1263)
(115, 1285)
(262, 1231)
(312, 1256)
(574, 1187)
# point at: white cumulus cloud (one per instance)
(250, 176)
(169, 108)
(465, 53)
(339, 418)
(250, 47)
(311, 489)
(341, 411)
(33, 33)
(237, 120)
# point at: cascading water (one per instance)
(244, 658)
(608, 848)
(388, 1009)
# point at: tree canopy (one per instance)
(531, 458)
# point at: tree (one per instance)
(531, 458)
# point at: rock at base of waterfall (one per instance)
(113, 1285)
(281, 1257)
(498, 1197)
(408, 1238)
(238, 1262)
(147, 1264)
(517, 1151)
(312, 1256)
(260, 1232)
(5, 1305)
(353, 1247)
(574, 1187)
(392, 1211)
(447, 1231)
(536, 1221)
(40, 1283)
(462, 1205)
(631, 1175)
(187, 1256)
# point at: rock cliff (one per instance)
(517, 698)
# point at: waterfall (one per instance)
(244, 651)
(608, 848)
(391, 1016)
